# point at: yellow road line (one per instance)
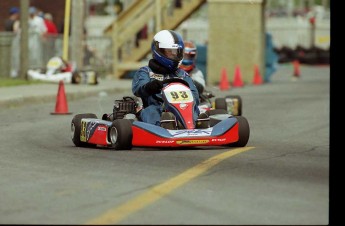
(115, 215)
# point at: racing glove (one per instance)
(199, 87)
(153, 87)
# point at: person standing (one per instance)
(12, 23)
(188, 64)
(36, 23)
(50, 37)
(271, 59)
(37, 30)
(50, 25)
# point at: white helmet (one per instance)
(167, 48)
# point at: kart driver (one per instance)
(188, 65)
(167, 52)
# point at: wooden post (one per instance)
(24, 36)
(116, 50)
(158, 16)
(78, 39)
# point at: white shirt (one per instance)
(198, 76)
(37, 25)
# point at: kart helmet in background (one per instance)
(57, 65)
(189, 56)
(167, 48)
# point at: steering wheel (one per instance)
(168, 81)
(171, 80)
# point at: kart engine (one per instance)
(128, 105)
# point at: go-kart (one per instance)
(58, 69)
(123, 129)
(232, 104)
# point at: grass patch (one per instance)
(6, 82)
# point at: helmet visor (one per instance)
(189, 56)
(173, 54)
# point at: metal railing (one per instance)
(97, 52)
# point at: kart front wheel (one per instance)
(76, 128)
(120, 134)
(243, 132)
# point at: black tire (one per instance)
(243, 132)
(76, 127)
(216, 111)
(238, 106)
(214, 121)
(76, 78)
(120, 134)
(220, 103)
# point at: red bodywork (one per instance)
(142, 137)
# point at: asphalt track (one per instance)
(281, 177)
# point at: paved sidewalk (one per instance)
(41, 93)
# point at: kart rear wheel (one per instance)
(243, 132)
(76, 128)
(120, 134)
(234, 104)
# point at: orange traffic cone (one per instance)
(224, 82)
(237, 78)
(61, 107)
(296, 70)
(257, 80)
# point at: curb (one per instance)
(75, 95)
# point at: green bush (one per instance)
(5, 82)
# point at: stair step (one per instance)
(130, 22)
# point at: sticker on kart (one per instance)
(187, 142)
(179, 94)
(185, 133)
(88, 128)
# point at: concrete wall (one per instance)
(236, 37)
